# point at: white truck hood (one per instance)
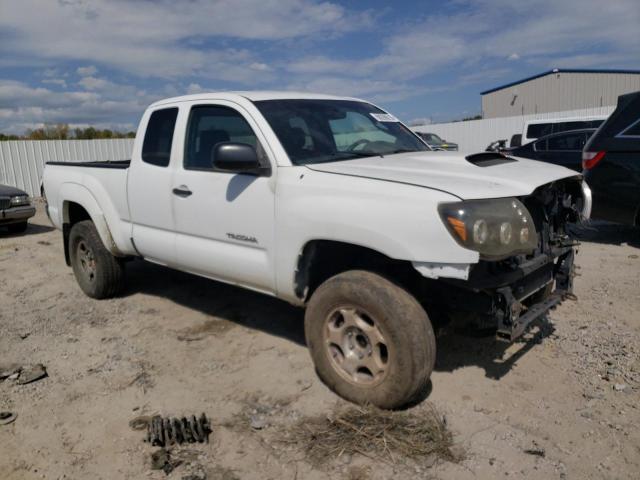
(453, 173)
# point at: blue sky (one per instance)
(99, 62)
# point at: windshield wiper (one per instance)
(357, 154)
(401, 150)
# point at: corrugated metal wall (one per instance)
(22, 161)
(475, 135)
(558, 92)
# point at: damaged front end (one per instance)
(510, 292)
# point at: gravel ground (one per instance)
(562, 404)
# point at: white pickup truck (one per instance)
(332, 204)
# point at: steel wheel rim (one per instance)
(355, 345)
(87, 260)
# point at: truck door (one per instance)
(149, 188)
(224, 221)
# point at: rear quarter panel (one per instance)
(102, 192)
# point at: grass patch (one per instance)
(377, 434)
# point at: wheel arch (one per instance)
(320, 260)
(80, 205)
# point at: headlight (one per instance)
(494, 228)
(20, 200)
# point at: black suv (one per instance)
(564, 148)
(611, 162)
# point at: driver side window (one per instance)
(209, 125)
(356, 127)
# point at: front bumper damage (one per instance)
(513, 313)
(510, 297)
(508, 294)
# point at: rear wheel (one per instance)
(370, 340)
(99, 274)
(18, 227)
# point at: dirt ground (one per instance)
(564, 404)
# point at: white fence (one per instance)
(476, 135)
(22, 161)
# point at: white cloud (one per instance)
(23, 105)
(164, 38)
(194, 88)
(263, 67)
(485, 34)
(56, 81)
(93, 83)
(87, 71)
(172, 47)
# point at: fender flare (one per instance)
(76, 193)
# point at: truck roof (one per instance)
(252, 95)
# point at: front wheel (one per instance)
(371, 341)
(99, 274)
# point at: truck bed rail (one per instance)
(119, 164)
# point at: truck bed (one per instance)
(119, 164)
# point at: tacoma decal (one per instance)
(242, 238)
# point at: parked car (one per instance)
(534, 129)
(563, 149)
(611, 161)
(437, 143)
(15, 209)
(331, 204)
(497, 146)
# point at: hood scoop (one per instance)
(488, 159)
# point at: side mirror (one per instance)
(237, 157)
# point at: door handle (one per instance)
(182, 191)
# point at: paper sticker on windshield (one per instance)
(384, 117)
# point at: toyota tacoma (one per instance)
(332, 204)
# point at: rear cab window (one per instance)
(156, 148)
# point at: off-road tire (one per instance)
(107, 278)
(403, 323)
(18, 227)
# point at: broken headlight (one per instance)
(494, 228)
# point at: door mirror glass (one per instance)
(235, 157)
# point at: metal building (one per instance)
(22, 161)
(559, 90)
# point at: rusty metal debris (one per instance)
(23, 373)
(140, 423)
(7, 417)
(168, 431)
(163, 460)
(536, 452)
(32, 373)
(10, 369)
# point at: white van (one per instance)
(534, 129)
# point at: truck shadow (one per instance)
(275, 317)
(32, 229)
(227, 302)
(495, 357)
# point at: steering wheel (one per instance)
(354, 145)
